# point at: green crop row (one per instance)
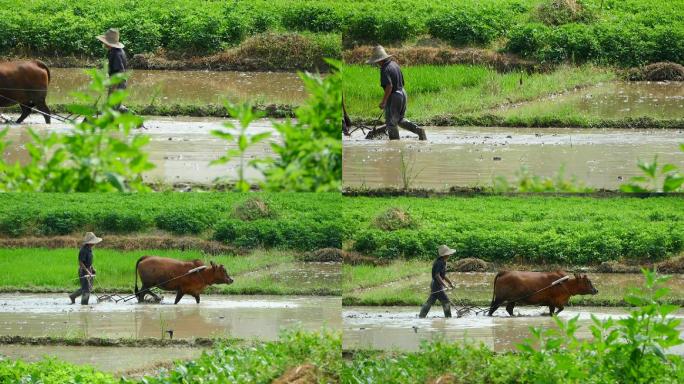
(62, 27)
(625, 33)
(301, 221)
(523, 229)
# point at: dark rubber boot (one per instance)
(447, 310)
(85, 298)
(424, 310)
(421, 134)
(74, 295)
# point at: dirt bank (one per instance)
(200, 342)
(125, 243)
(447, 56)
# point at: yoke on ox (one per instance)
(25, 83)
(552, 289)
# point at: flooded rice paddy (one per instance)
(244, 316)
(117, 360)
(148, 87)
(619, 99)
(399, 328)
(475, 156)
(180, 147)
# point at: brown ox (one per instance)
(25, 83)
(515, 287)
(165, 273)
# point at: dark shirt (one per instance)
(438, 268)
(85, 256)
(117, 61)
(390, 73)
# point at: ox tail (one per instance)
(136, 272)
(491, 305)
(45, 67)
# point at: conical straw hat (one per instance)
(111, 38)
(90, 238)
(379, 54)
(443, 250)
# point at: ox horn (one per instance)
(562, 279)
(200, 268)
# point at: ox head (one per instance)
(584, 285)
(219, 274)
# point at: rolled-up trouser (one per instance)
(86, 287)
(395, 109)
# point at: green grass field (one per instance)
(55, 270)
(460, 89)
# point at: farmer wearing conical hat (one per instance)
(86, 271)
(439, 283)
(394, 100)
(116, 57)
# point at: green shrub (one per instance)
(311, 17)
(368, 28)
(183, 222)
(16, 224)
(63, 222)
(122, 222)
(476, 25)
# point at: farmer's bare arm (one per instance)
(449, 281)
(388, 92)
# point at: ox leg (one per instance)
(46, 111)
(509, 308)
(494, 306)
(560, 309)
(25, 111)
(551, 310)
(179, 295)
(196, 298)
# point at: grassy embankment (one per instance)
(539, 233)
(480, 96)
(258, 272)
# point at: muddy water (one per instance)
(115, 360)
(400, 328)
(310, 274)
(181, 148)
(475, 156)
(246, 317)
(616, 100)
(188, 87)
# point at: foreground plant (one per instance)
(665, 179)
(246, 115)
(310, 156)
(526, 181)
(100, 154)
